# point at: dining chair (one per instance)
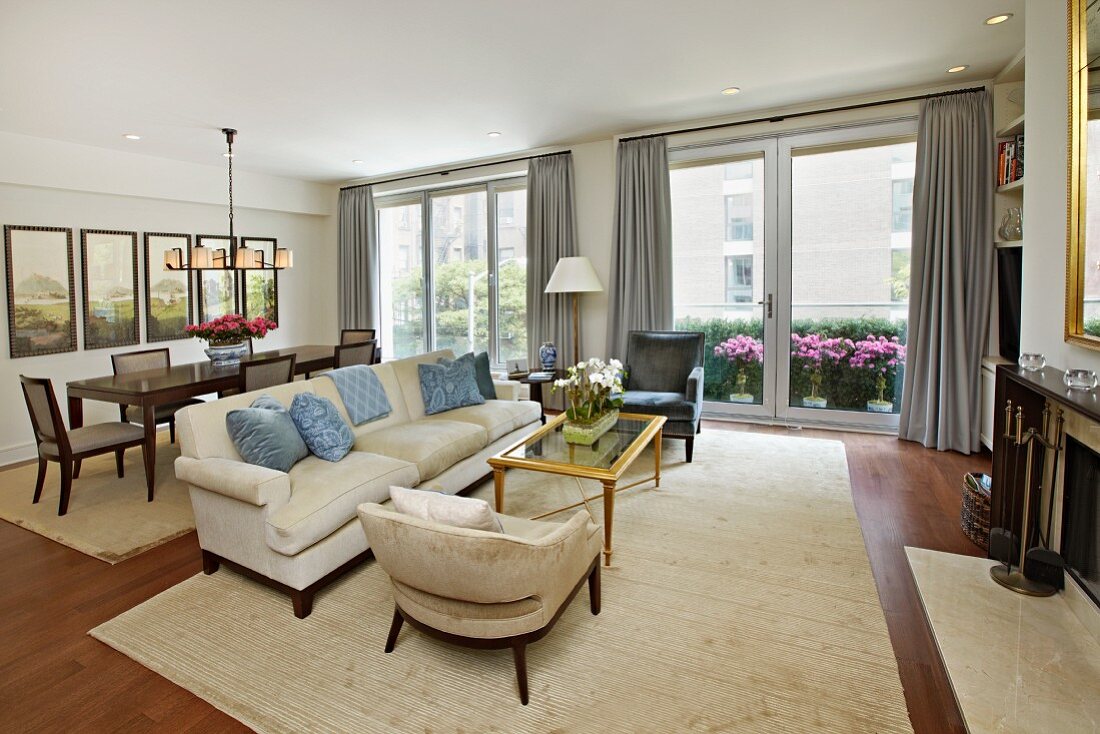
(69, 447)
(263, 373)
(356, 336)
(349, 354)
(140, 361)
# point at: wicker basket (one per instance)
(974, 518)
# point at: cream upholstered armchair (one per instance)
(483, 589)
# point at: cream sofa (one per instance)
(297, 531)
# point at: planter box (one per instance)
(809, 402)
(879, 406)
(586, 434)
(742, 397)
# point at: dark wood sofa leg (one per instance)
(689, 447)
(210, 562)
(519, 654)
(395, 628)
(594, 588)
(41, 480)
(303, 602)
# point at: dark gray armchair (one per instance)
(665, 377)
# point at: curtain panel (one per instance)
(952, 273)
(640, 296)
(551, 235)
(357, 286)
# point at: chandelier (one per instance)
(237, 257)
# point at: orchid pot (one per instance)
(593, 395)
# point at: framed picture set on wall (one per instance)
(109, 270)
(168, 293)
(217, 293)
(41, 290)
(260, 288)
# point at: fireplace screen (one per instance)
(1081, 516)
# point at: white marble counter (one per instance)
(1016, 663)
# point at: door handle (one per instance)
(768, 301)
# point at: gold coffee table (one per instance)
(607, 460)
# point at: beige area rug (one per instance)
(740, 599)
(108, 518)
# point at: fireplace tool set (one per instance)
(1038, 569)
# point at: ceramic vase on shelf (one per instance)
(224, 355)
(548, 356)
(1012, 227)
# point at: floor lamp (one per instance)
(574, 275)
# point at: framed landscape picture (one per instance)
(109, 265)
(41, 305)
(167, 292)
(217, 294)
(260, 288)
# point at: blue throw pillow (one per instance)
(482, 373)
(321, 426)
(265, 435)
(449, 385)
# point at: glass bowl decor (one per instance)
(1080, 379)
(1032, 362)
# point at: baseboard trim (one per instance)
(799, 425)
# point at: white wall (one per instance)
(53, 183)
(1044, 268)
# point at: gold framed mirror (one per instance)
(1083, 239)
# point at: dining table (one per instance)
(149, 388)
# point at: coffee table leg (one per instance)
(498, 489)
(657, 456)
(608, 519)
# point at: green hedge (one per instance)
(844, 386)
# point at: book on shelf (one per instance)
(1010, 160)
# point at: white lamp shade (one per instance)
(245, 258)
(574, 275)
(284, 258)
(201, 257)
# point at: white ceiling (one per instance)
(409, 83)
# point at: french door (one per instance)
(792, 254)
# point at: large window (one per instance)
(739, 217)
(460, 282)
(738, 278)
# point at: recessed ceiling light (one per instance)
(957, 69)
(494, 134)
(996, 19)
(357, 161)
(131, 136)
(728, 91)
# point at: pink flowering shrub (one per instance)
(813, 351)
(878, 356)
(231, 328)
(744, 354)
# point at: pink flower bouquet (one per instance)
(231, 329)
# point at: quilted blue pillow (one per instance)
(321, 426)
(449, 385)
(265, 435)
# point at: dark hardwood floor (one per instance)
(54, 677)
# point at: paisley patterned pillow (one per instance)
(449, 385)
(321, 426)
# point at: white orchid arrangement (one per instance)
(592, 388)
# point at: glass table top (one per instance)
(551, 446)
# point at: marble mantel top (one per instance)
(1016, 663)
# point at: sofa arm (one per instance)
(695, 386)
(256, 485)
(507, 389)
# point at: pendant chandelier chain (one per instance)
(229, 137)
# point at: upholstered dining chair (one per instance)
(140, 361)
(356, 336)
(266, 373)
(358, 353)
(664, 376)
(69, 447)
(480, 589)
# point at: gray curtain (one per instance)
(952, 273)
(551, 235)
(357, 287)
(640, 296)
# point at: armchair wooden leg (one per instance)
(395, 628)
(519, 654)
(210, 562)
(594, 588)
(66, 486)
(76, 468)
(118, 463)
(41, 480)
(689, 448)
